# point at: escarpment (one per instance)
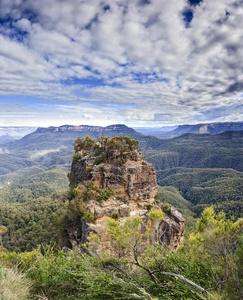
(110, 180)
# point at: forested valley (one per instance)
(200, 175)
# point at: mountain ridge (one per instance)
(81, 128)
(211, 128)
(201, 128)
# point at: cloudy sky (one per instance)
(138, 62)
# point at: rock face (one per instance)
(115, 182)
(171, 228)
(86, 128)
(211, 128)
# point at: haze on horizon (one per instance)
(136, 62)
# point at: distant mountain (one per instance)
(5, 138)
(8, 133)
(190, 150)
(210, 128)
(51, 147)
(57, 138)
(155, 131)
(99, 130)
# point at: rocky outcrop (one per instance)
(171, 229)
(134, 180)
(114, 181)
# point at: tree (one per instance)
(125, 237)
(3, 230)
(206, 263)
(239, 264)
(216, 241)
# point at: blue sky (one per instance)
(138, 62)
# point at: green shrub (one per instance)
(98, 160)
(104, 194)
(76, 157)
(156, 214)
(116, 215)
(149, 206)
(88, 142)
(121, 162)
(165, 207)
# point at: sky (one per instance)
(134, 62)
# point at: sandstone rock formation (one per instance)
(110, 178)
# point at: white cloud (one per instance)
(142, 55)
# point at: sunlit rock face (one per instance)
(117, 183)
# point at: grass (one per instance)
(13, 284)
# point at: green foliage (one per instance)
(159, 259)
(76, 157)
(217, 223)
(171, 195)
(83, 143)
(239, 261)
(78, 197)
(116, 215)
(104, 194)
(165, 207)
(55, 277)
(3, 230)
(31, 187)
(156, 214)
(85, 277)
(11, 163)
(198, 151)
(80, 194)
(79, 277)
(125, 236)
(204, 187)
(33, 222)
(123, 143)
(116, 149)
(215, 242)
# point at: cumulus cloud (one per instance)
(135, 52)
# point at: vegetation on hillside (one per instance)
(28, 186)
(203, 187)
(31, 208)
(206, 267)
(32, 223)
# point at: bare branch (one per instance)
(184, 279)
(227, 275)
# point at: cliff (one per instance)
(210, 128)
(110, 179)
(87, 128)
